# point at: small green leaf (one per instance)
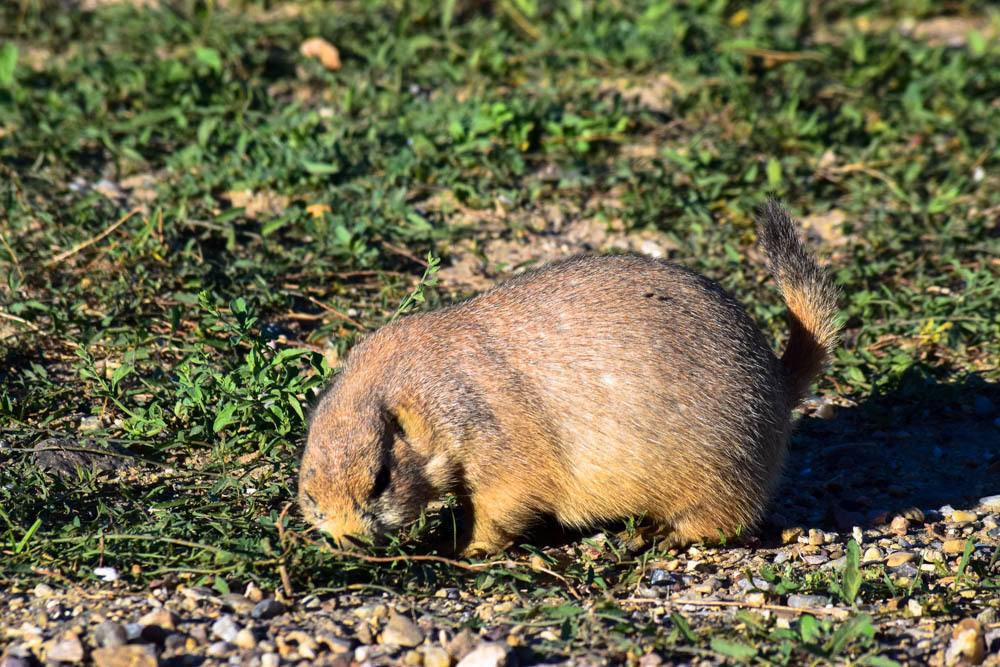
(809, 629)
(850, 579)
(8, 61)
(209, 57)
(773, 173)
(224, 418)
(682, 626)
(737, 650)
(320, 167)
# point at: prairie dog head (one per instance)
(364, 470)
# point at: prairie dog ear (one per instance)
(414, 429)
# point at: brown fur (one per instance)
(589, 390)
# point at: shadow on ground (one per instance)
(925, 445)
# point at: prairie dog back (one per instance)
(591, 389)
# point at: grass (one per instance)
(151, 303)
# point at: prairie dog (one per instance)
(588, 390)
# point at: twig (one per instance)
(736, 603)
(80, 246)
(780, 56)
(13, 255)
(334, 311)
(285, 580)
(403, 252)
(15, 318)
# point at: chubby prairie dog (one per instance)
(588, 390)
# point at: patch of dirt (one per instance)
(541, 235)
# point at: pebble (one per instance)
(413, 658)
(990, 502)
(12, 661)
(270, 660)
(858, 534)
(968, 643)
(871, 555)
(748, 585)
(238, 603)
(68, 649)
(245, 639)
(914, 608)
(660, 577)
(988, 616)
(933, 556)
(915, 514)
(897, 558)
(963, 515)
(225, 629)
(953, 546)
(907, 570)
(401, 631)
(268, 608)
(900, 525)
(135, 655)
(815, 559)
(43, 591)
(110, 634)
(816, 537)
(807, 601)
(461, 644)
(780, 557)
(489, 654)
(435, 656)
(253, 593)
(218, 649)
(163, 618)
(789, 535)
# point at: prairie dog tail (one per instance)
(808, 292)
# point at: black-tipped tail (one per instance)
(808, 291)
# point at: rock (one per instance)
(199, 632)
(899, 526)
(789, 535)
(756, 597)
(907, 570)
(110, 634)
(268, 608)
(660, 577)
(857, 534)
(336, 645)
(990, 502)
(401, 631)
(163, 618)
(253, 593)
(270, 660)
(135, 655)
(872, 555)
(756, 583)
(489, 654)
(897, 558)
(435, 656)
(914, 608)
(914, 514)
(218, 649)
(808, 601)
(413, 658)
(43, 591)
(226, 629)
(238, 603)
(68, 649)
(174, 642)
(816, 537)
(933, 556)
(988, 617)
(461, 644)
(968, 643)
(815, 559)
(245, 639)
(780, 557)
(650, 660)
(963, 515)
(14, 661)
(953, 546)
(301, 642)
